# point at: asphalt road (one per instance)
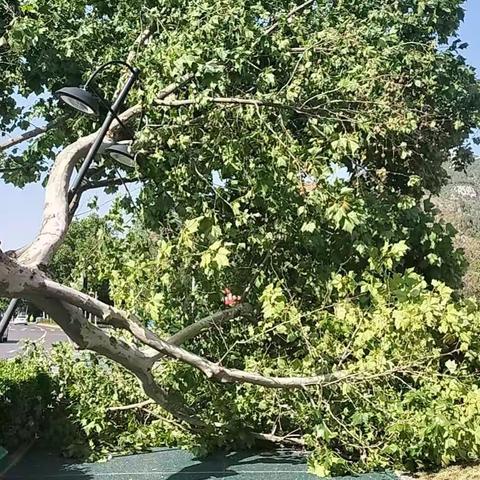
(171, 464)
(46, 334)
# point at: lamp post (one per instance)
(84, 101)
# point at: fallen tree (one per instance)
(335, 272)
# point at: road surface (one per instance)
(171, 464)
(46, 334)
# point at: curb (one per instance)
(51, 325)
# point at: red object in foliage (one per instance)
(229, 299)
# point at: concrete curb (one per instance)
(51, 325)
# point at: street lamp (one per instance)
(122, 153)
(84, 101)
(80, 99)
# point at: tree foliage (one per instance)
(76, 261)
(241, 189)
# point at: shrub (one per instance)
(25, 395)
(81, 424)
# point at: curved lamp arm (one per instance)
(134, 71)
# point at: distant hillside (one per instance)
(459, 203)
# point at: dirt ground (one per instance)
(454, 473)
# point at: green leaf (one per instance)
(309, 227)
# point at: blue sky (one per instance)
(21, 209)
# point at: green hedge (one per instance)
(25, 394)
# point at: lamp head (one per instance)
(122, 153)
(80, 99)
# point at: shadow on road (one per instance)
(172, 464)
(46, 469)
(167, 464)
(267, 465)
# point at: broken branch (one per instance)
(215, 319)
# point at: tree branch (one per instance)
(139, 43)
(66, 306)
(290, 14)
(276, 439)
(132, 406)
(141, 406)
(108, 182)
(88, 336)
(10, 170)
(32, 282)
(233, 101)
(162, 418)
(28, 135)
(19, 281)
(174, 86)
(56, 212)
(215, 319)
(305, 49)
